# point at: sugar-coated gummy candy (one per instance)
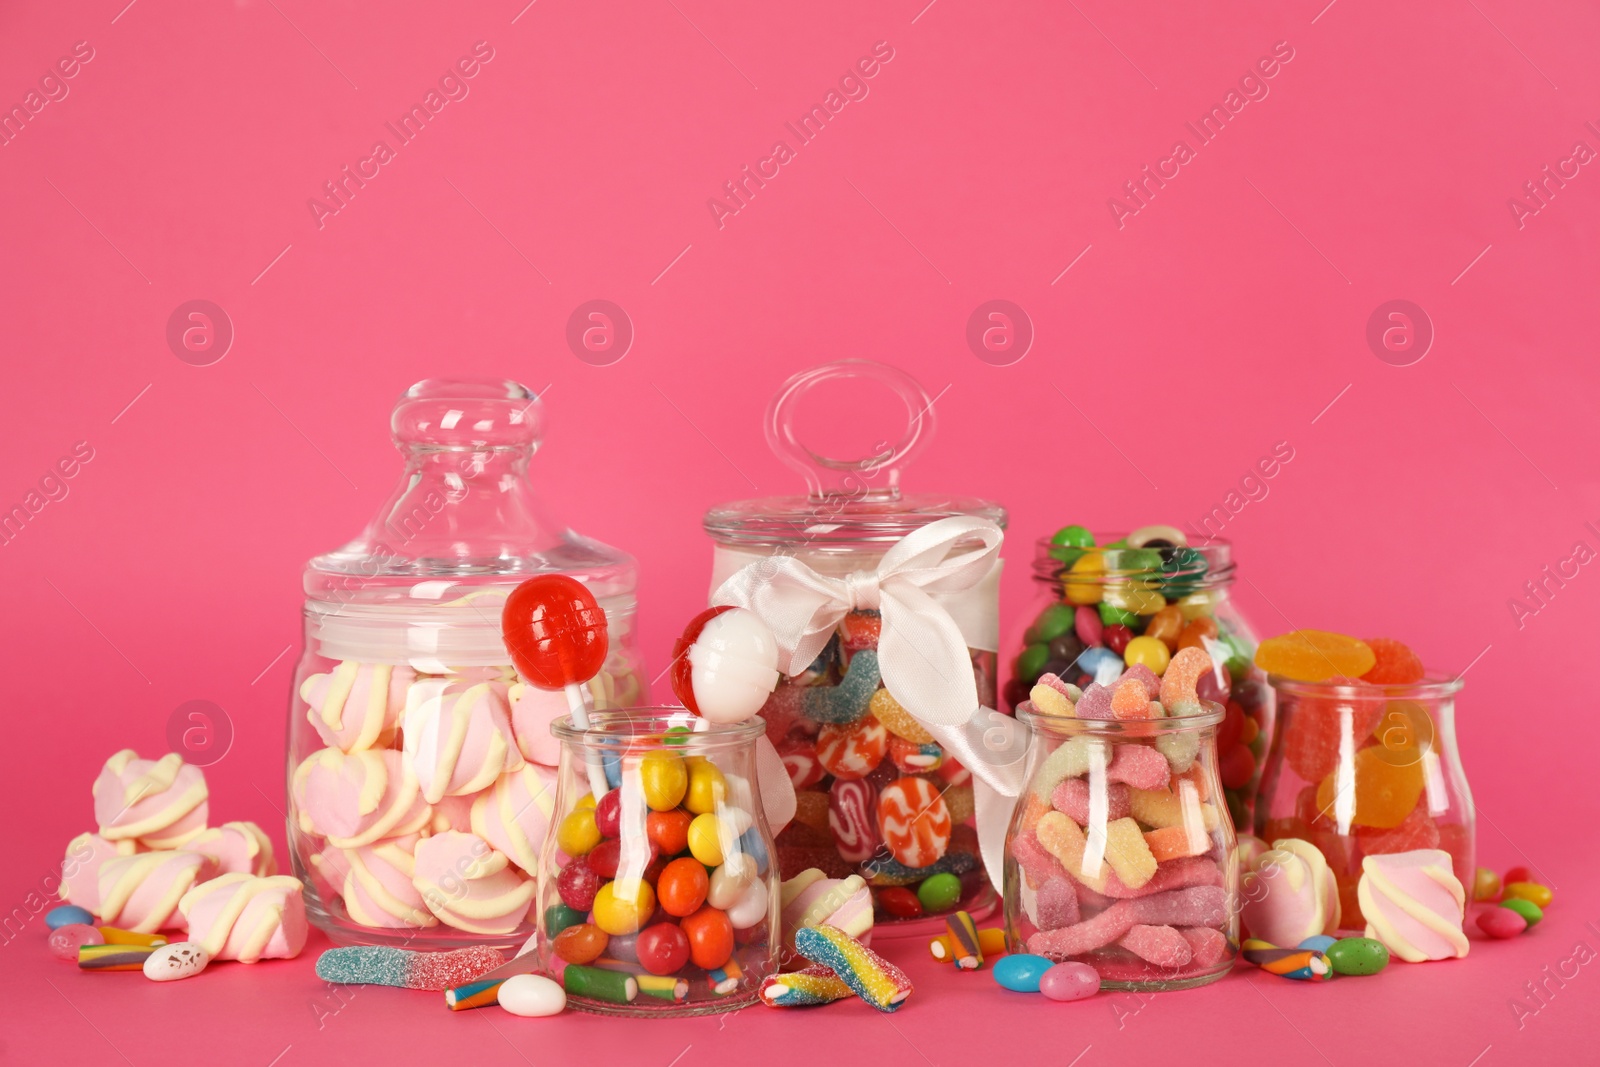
(1485, 885)
(1055, 905)
(1095, 703)
(68, 915)
(1532, 892)
(1160, 946)
(1321, 727)
(1127, 853)
(1530, 912)
(1071, 797)
(1416, 830)
(1020, 972)
(1138, 766)
(1181, 748)
(1394, 663)
(1063, 839)
(1157, 808)
(884, 870)
(1069, 981)
(940, 892)
(1128, 700)
(1176, 842)
(1357, 956)
(804, 988)
(872, 978)
(896, 719)
(1048, 700)
(848, 701)
(1180, 678)
(1501, 923)
(1314, 656)
(64, 941)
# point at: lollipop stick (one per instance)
(578, 704)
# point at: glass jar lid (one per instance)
(851, 503)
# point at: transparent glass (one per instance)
(1140, 884)
(1184, 597)
(852, 515)
(402, 645)
(669, 881)
(1363, 769)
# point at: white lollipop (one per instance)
(733, 666)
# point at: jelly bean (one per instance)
(1501, 923)
(577, 885)
(1021, 972)
(68, 915)
(939, 893)
(620, 908)
(668, 830)
(1166, 626)
(899, 902)
(1087, 625)
(1117, 637)
(1532, 892)
(682, 887)
(1196, 632)
(1314, 656)
(578, 832)
(531, 996)
(705, 839)
(710, 937)
(1074, 536)
(1318, 943)
(557, 917)
(730, 880)
(1031, 661)
(662, 948)
(1070, 981)
(707, 786)
(1148, 651)
(608, 814)
(582, 943)
(1054, 621)
(1485, 885)
(1517, 874)
(1082, 584)
(1525, 908)
(1068, 647)
(65, 940)
(1112, 615)
(1357, 956)
(663, 779)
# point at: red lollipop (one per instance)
(682, 669)
(555, 631)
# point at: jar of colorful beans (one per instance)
(1109, 601)
(1120, 855)
(660, 898)
(886, 606)
(420, 768)
(1365, 763)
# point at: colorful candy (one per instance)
(1485, 885)
(64, 941)
(913, 821)
(1531, 913)
(179, 960)
(1414, 904)
(963, 934)
(804, 988)
(1357, 956)
(853, 750)
(1069, 981)
(113, 957)
(68, 914)
(725, 665)
(596, 983)
(403, 969)
(1501, 923)
(1020, 972)
(992, 940)
(1301, 964)
(939, 892)
(1532, 892)
(1290, 894)
(871, 977)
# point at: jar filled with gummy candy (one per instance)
(1108, 601)
(660, 898)
(1365, 761)
(1120, 854)
(876, 794)
(421, 770)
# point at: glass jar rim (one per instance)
(1217, 553)
(1063, 725)
(1430, 688)
(607, 728)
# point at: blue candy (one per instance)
(1318, 943)
(611, 762)
(846, 702)
(1020, 972)
(1100, 663)
(66, 915)
(750, 844)
(883, 870)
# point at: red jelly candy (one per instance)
(662, 948)
(1313, 734)
(608, 814)
(710, 937)
(1397, 664)
(682, 670)
(1117, 637)
(898, 901)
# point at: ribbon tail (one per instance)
(994, 747)
(993, 816)
(924, 658)
(774, 786)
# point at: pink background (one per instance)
(1227, 315)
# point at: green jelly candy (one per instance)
(1030, 664)
(939, 892)
(1135, 559)
(1121, 542)
(1112, 615)
(1052, 622)
(677, 735)
(1357, 955)
(557, 917)
(1073, 536)
(1525, 908)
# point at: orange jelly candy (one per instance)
(1314, 727)
(1314, 656)
(1385, 792)
(1396, 663)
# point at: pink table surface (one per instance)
(1389, 159)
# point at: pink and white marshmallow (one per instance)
(470, 885)
(356, 798)
(241, 917)
(142, 892)
(236, 847)
(357, 705)
(514, 814)
(160, 804)
(1290, 895)
(458, 737)
(1414, 904)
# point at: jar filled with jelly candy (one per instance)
(660, 898)
(1120, 854)
(421, 771)
(1362, 768)
(876, 794)
(1108, 601)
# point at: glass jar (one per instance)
(1142, 884)
(853, 515)
(1098, 592)
(419, 766)
(662, 898)
(1360, 769)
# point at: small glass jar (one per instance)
(853, 515)
(1142, 884)
(1361, 769)
(662, 898)
(1094, 598)
(404, 831)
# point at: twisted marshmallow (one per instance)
(160, 804)
(356, 705)
(514, 813)
(356, 798)
(236, 846)
(80, 868)
(471, 886)
(241, 917)
(458, 737)
(142, 892)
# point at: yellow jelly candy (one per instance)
(707, 787)
(1135, 597)
(705, 840)
(1385, 792)
(1532, 892)
(1147, 650)
(1404, 733)
(896, 719)
(1199, 605)
(663, 779)
(1315, 656)
(1128, 853)
(1083, 583)
(578, 833)
(620, 908)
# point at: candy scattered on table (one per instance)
(1414, 904)
(68, 914)
(179, 960)
(1021, 972)
(963, 935)
(114, 957)
(1357, 956)
(64, 941)
(1485, 885)
(405, 969)
(531, 996)
(1531, 913)
(1305, 965)
(1290, 894)
(992, 940)
(1069, 981)
(1501, 923)
(1532, 892)
(870, 976)
(804, 988)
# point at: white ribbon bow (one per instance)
(922, 653)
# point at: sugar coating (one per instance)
(1208, 947)
(1095, 703)
(1178, 681)
(1145, 677)
(402, 969)
(870, 976)
(1194, 906)
(848, 701)
(1157, 808)
(1180, 749)
(1049, 701)
(800, 989)
(1056, 905)
(1128, 855)
(1139, 766)
(1129, 701)
(1064, 840)
(1163, 946)
(1071, 798)
(896, 719)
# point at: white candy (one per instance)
(181, 959)
(532, 996)
(730, 880)
(751, 907)
(733, 666)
